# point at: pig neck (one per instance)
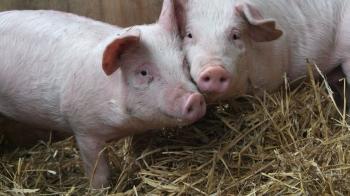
(102, 102)
(310, 30)
(92, 96)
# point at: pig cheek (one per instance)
(240, 45)
(194, 71)
(194, 59)
(142, 82)
(173, 100)
(191, 50)
(240, 81)
(189, 41)
(135, 90)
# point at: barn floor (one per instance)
(290, 142)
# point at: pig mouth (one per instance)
(184, 109)
(174, 118)
(178, 120)
(216, 98)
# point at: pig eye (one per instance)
(235, 34)
(143, 76)
(143, 72)
(189, 35)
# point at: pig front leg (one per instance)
(94, 159)
(346, 70)
(343, 46)
(334, 79)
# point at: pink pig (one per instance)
(70, 73)
(236, 47)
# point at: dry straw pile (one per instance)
(290, 142)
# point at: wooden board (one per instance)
(119, 12)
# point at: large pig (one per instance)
(244, 46)
(101, 82)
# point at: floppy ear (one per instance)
(115, 49)
(259, 28)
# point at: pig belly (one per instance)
(343, 39)
(40, 115)
(29, 97)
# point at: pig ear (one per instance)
(116, 48)
(259, 29)
(180, 13)
(167, 18)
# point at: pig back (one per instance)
(41, 52)
(310, 29)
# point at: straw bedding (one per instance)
(289, 142)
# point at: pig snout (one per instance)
(214, 80)
(194, 107)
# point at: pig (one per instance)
(100, 82)
(237, 47)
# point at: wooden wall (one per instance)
(119, 12)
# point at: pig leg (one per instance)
(334, 79)
(346, 70)
(343, 46)
(94, 159)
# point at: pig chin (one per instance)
(237, 89)
(171, 119)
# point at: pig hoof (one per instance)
(99, 181)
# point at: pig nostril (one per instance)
(207, 79)
(201, 102)
(194, 107)
(190, 109)
(222, 80)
